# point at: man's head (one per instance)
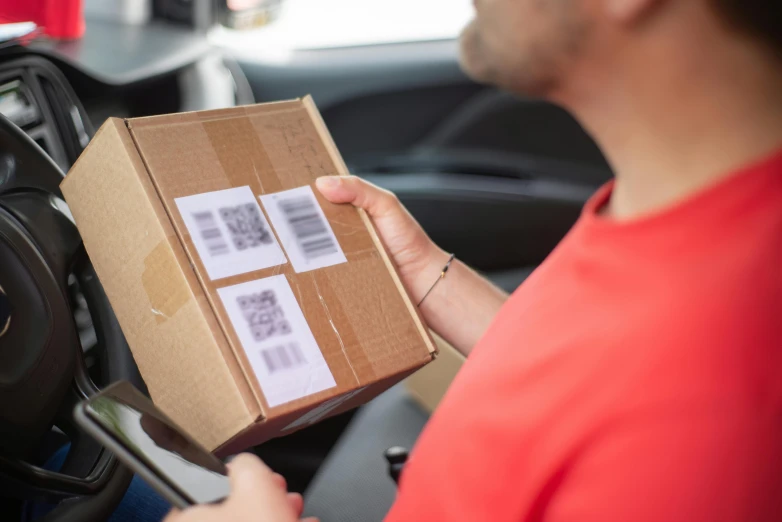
(533, 46)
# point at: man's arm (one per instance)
(462, 305)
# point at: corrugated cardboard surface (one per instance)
(248, 438)
(131, 242)
(122, 195)
(429, 385)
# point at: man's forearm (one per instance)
(461, 306)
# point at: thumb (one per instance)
(252, 482)
(350, 189)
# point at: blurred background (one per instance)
(492, 177)
(301, 24)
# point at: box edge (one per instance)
(320, 126)
(255, 407)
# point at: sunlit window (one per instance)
(317, 24)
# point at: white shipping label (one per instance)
(303, 229)
(230, 232)
(278, 341)
(316, 414)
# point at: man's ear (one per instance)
(628, 11)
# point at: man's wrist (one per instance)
(429, 274)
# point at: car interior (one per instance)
(496, 179)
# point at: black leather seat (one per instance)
(353, 485)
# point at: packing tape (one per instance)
(164, 300)
(253, 163)
(252, 157)
(332, 305)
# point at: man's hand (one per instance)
(416, 257)
(257, 495)
(461, 307)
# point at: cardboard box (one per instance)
(429, 385)
(253, 307)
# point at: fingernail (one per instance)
(327, 181)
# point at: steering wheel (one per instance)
(43, 372)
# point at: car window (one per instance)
(318, 24)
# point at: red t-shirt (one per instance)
(636, 376)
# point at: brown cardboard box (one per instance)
(251, 311)
(429, 385)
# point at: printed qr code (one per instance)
(309, 227)
(264, 315)
(283, 357)
(246, 226)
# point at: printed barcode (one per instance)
(308, 226)
(283, 357)
(273, 332)
(230, 232)
(210, 233)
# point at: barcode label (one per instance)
(210, 233)
(303, 229)
(309, 228)
(276, 338)
(230, 232)
(283, 357)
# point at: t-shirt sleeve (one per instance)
(695, 465)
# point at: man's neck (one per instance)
(670, 130)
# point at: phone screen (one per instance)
(134, 422)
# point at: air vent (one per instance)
(23, 101)
(16, 103)
(67, 119)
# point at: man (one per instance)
(637, 375)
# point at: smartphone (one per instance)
(126, 422)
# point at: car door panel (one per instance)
(492, 223)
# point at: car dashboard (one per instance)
(35, 96)
(58, 92)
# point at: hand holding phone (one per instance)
(257, 495)
(181, 470)
(149, 443)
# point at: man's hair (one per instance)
(759, 18)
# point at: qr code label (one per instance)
(230, 232)
(264, 315)
(276, 338)
(303, 229)
(246, 226)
